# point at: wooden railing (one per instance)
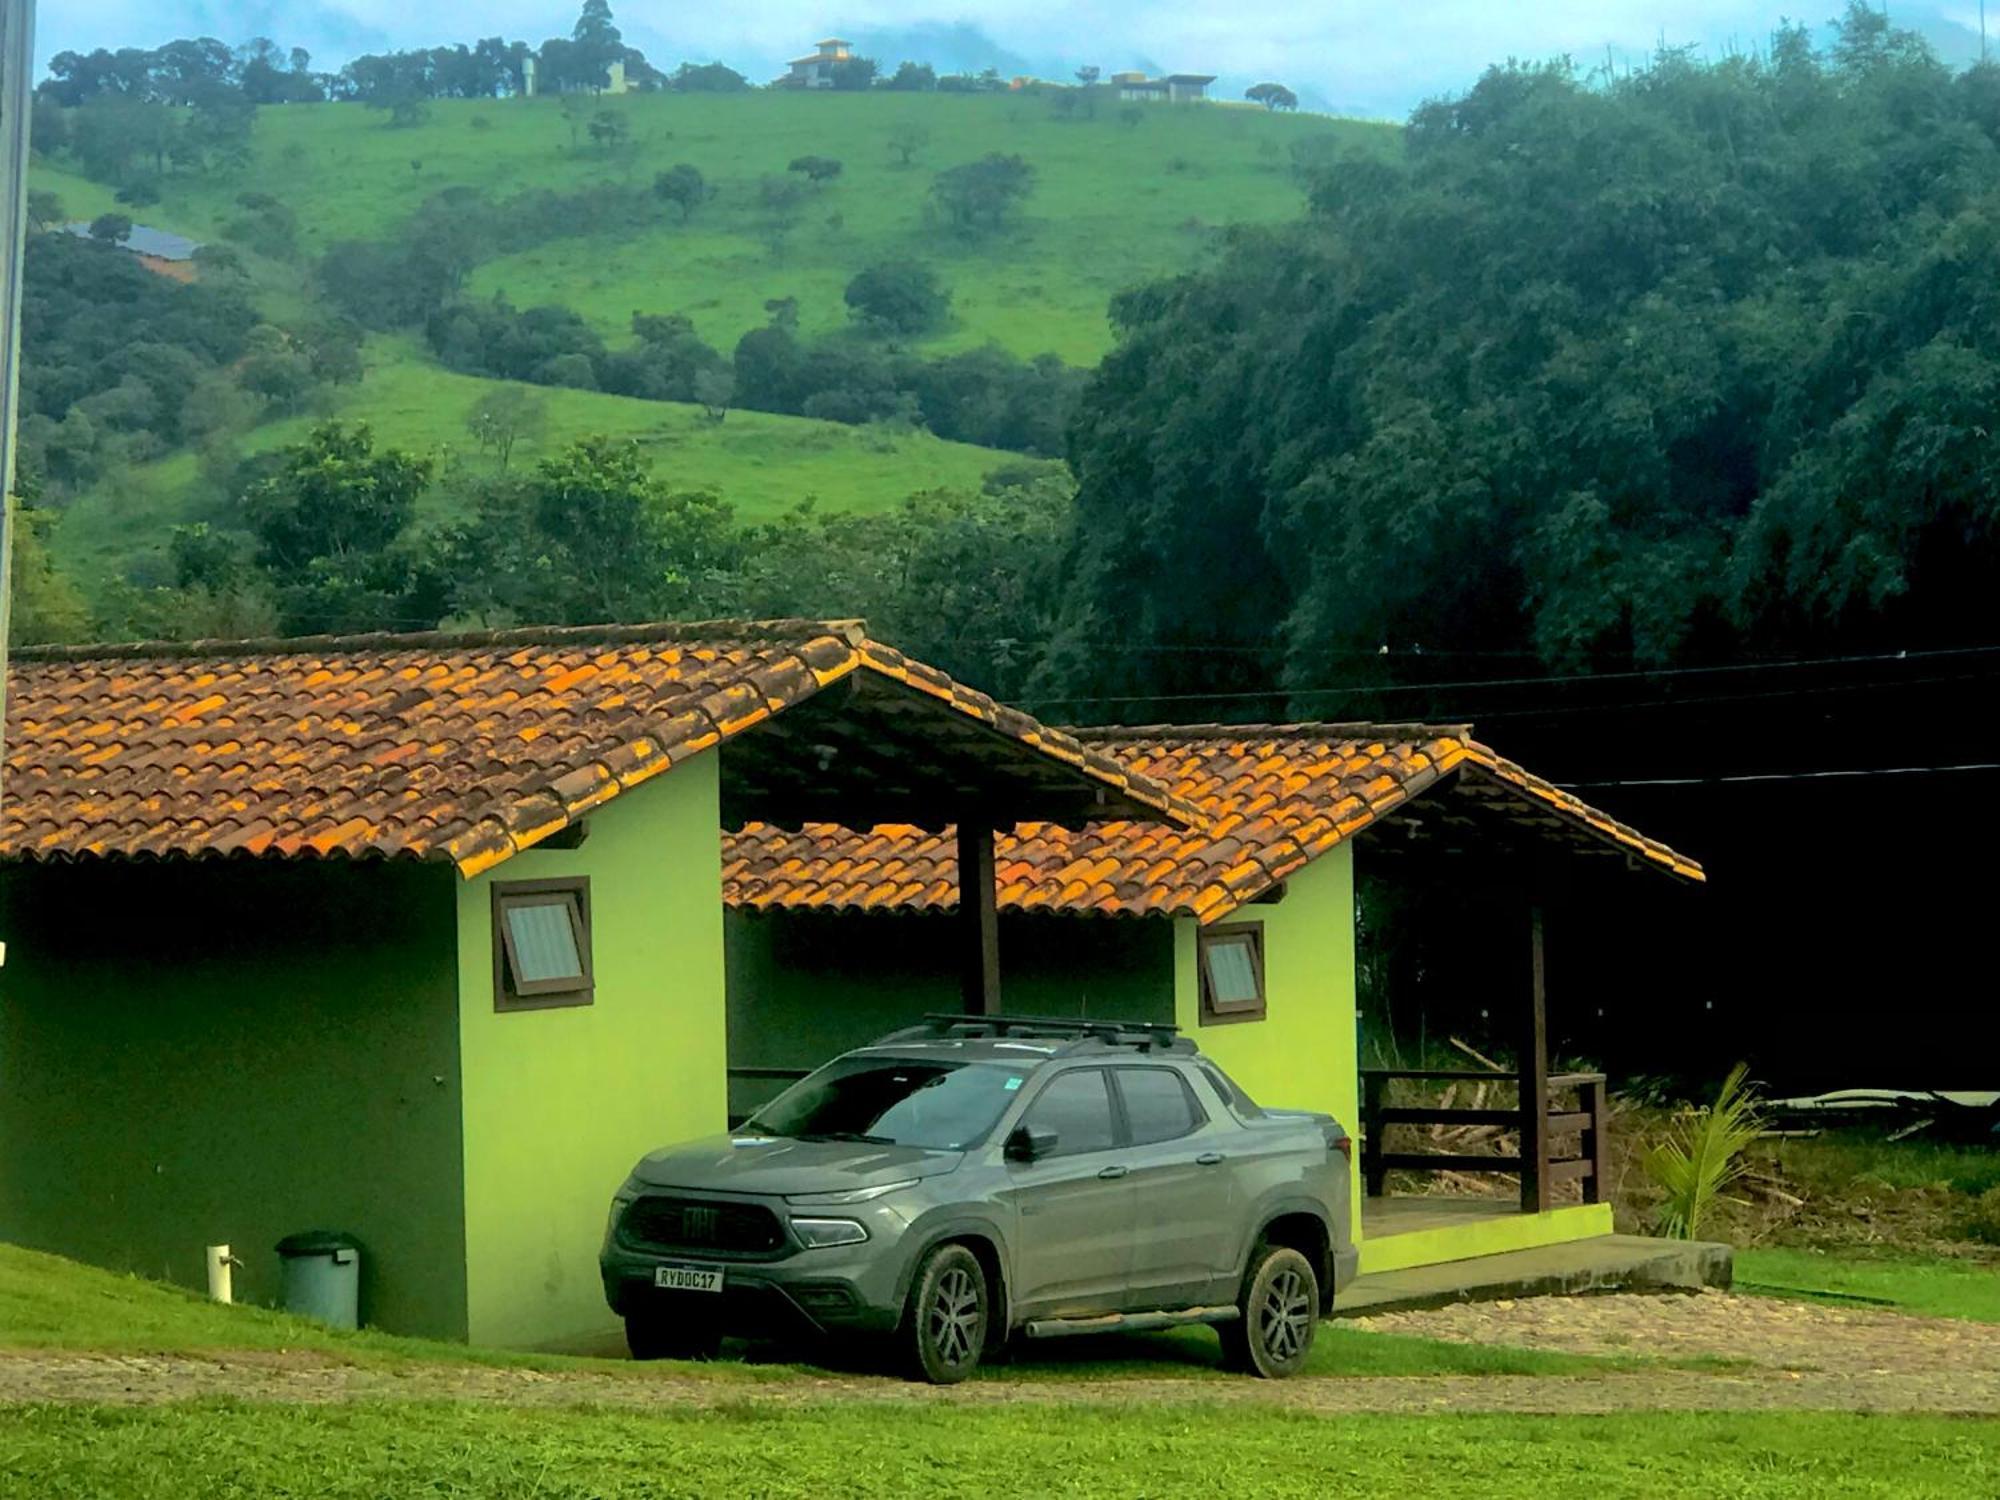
(1536, 1117)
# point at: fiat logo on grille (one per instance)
(700, 1223)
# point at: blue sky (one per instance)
(1363, 55)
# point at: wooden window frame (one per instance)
(1208, 937)
(545, 994)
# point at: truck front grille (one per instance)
(703, 1225)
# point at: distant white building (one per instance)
(1175, 88)
(816, 71)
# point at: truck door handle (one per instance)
(1208, 1158)
(1112, 1172)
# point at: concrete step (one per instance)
(1607, 1263)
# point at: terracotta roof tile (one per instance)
(465, 748)
(1275, 798)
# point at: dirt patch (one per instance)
(1788, 1357)
(1771, 1334)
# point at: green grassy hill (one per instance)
(1116, 202)
(761, 464)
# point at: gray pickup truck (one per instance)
(972, 1180)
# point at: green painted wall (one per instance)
(560, 1103)
(1302, 1055)
(805, 986)
(207, 1052)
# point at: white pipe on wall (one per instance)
(220, 1263)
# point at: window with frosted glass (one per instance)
(1232, 973)
(541, 944)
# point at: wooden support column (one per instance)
(1535, 1079)
(978, 919)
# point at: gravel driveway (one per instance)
(1789, 1356)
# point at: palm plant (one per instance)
(1703, 1155)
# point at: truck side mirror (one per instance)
(1029, 1144)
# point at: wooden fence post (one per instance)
(1535, 1081)
(1374, 1088)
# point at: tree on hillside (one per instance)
(1087, 76)
(609, 130)
(1690, 364)
(45, 210)
(684, 187)
(898, 297)
(597, 44)
(330, 517)
(781, 201)
(854, 74)
(906, 139)
(503, 416)
(981, 196)
(708, 78)
(817, 170)
(1272, 96)
(111, 229)
(591, 537)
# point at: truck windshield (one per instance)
(890, 1101)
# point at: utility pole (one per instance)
(17, 51)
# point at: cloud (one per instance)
(1367, 53)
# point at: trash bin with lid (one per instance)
(319, 1276)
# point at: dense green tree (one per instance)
(708, 78)
(854, 74)
(1271, 96)
(1697, 361)
(331, 518)
(815, 169)
(912, 78)
(683, 186)
(111, 229)
(898, 297)
(591, 536)
(981, 196)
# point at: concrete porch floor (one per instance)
(1602, 1263)
(1398, 1233)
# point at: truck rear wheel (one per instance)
(1279, 1310)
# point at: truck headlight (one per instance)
(823, 1234)
(850, 1195)
(619, 1203)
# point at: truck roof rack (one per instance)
(1144, 1035)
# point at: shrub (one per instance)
(1982, 1220)
(902, 297)
(1703, 1155)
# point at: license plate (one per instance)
(687, 1279)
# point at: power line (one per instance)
(1754, 776)
(1543, 681)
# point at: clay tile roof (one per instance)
(1275, 798)
(466, 748)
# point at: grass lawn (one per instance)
(47, 1302)
(761, 464)
(939, 1449)
(1114, 203)
(1929, 1284)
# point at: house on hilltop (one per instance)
(1174, 88)
(815, 70)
